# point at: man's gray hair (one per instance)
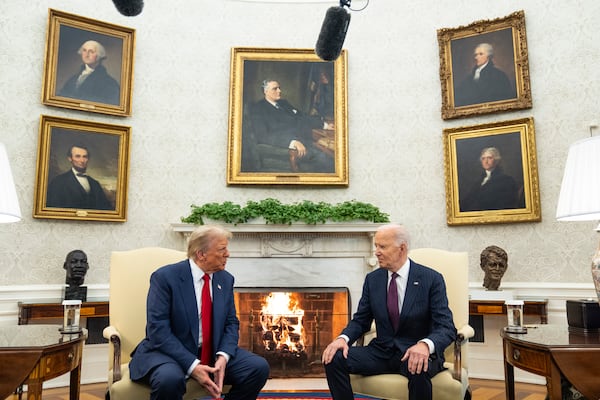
(99, 49)
(493, 151)
(400, 232)
(265, 83)
(488, 48)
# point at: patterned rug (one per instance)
(302, 395)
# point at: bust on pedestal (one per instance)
(76, 265)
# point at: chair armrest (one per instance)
(463, 334)
(112, 334)
(466, 331)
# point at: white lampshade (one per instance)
(579, 198)
(9, 205)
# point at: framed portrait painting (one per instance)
(287, 118)
(82, 170)
(491, 173)
(88, 65)
(484, 67)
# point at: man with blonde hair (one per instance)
(192, 330)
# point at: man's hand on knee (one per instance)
(332, 348)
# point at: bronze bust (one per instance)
(76, 266)
(494, 262)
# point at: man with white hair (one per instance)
(92, 82)
(485, 83)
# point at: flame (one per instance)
(281, 320)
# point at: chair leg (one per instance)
(107, 395)
(468, 393)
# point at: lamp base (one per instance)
(583, 316)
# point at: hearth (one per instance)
(290, 327)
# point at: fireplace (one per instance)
(314, 262)
(290, 327)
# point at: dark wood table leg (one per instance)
(509, 376)
(75, 384)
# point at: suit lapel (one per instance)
(413, 288)
(188, 297)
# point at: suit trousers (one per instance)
(247, 373)
(375, 360)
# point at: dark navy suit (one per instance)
(99, 86)
(173, 329)
(65, 191)
(424, 314)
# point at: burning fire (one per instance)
(281, 320)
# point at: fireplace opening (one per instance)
(290, 327)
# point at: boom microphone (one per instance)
(129, 8)
(333, 32)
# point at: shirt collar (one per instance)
(403, 271)
(197, 273)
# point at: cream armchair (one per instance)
(129, 282)
(453, 383)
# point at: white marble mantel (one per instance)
(299, 255)
(330, 240)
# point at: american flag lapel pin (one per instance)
(218, 286)
(416, 283)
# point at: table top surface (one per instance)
(553, 336)
(32, 336)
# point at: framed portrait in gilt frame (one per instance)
(287, 118)
(88, 65)
(484, 67)
(82, 170)
(491, 173)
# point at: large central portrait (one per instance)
(287, 118)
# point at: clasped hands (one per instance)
(417, 355)
(202, 374)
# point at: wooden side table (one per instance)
(32, 354)
(552, 351)
(497, 307)
(44, 312)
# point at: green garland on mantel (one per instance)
(274, 212)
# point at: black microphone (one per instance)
(129, 8)
(333, 32)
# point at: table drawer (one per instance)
(57, 363)
(535, 361)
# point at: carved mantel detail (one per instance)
(336, 240)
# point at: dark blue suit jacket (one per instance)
(424, 314)
(65, 191)
(172, 327)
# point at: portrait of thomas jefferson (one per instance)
(490, 173)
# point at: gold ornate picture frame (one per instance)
(499, 46)
(98, 153)
(299, 139)
(88, 65)
(510, 192)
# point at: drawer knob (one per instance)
(516, 354)
(70, 356)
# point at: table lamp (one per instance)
(579, 200)
(9, 204)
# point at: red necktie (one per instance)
(392, 302)
(206, 313)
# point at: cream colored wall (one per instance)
(180, 111)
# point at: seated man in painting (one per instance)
(276, 123)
